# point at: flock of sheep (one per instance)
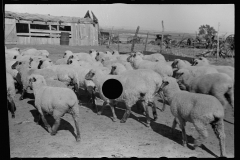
(197, 93)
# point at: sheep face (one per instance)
(174, 64)
(90, 75)
(36, 79)
(113, 69)
(91, 50)
(97, 56)
(195, 62)
(15, 65)
(169, 84)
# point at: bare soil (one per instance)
(100, 136)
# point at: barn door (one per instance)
(10, 31)
(83, 34)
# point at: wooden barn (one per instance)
(24, 28)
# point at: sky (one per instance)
(176, 17)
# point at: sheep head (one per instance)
(67, 54)
(169, 85)
(175, 62)
(35, 79)
(90, 74)
(113, 69)
(91, 50)
(15, 65)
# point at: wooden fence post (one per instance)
(110, 37)
(162, 37)
(118, 41)
(133, 40)
(218, 40)
(145, 48)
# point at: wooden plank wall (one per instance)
(10, 31)
(81, 34)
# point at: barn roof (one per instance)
(46, 18)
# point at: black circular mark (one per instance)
(112, 89)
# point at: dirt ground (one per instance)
(100, 136)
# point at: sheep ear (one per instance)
(134, 55)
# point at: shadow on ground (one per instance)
(64, 125)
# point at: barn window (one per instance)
(39, 26)
(64, 28)
(22, 27)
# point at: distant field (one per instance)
(152, 34)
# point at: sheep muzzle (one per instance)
(14, 65)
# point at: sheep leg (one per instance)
(103, 106)
(154, 110)
(162, 97)
(55, 126)
(56, 115)
(75, 115)
(113, 112)
(218, 128)
(203, 133)
(12, 106)
(126, 114)
(231, 97)
(46, 123)
(222, 99)
(174, 125)
(184, 137)
(23, 93)
(94, 101)
(147, 113)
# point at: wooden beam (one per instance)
(218, 40)
(146, 43)
(135, 37)
(47, 31)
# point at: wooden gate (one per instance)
(10, 31)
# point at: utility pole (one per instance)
(218, 40)
(134, 39)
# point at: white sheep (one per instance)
(61, 61)
(219, 85)
(11, 93)
(9, 64)
(159, 67)
(49, 82)
(67, 54)
(198, 109)
(137, 85)
(44, 63)
(66, 74)
(55, 101)
(196, 71)
(11, 53)
(44, 53)
(155, 57)
(221, 69)
(32, 51)
(24, 70)
(179, 64)
(82, 56)
(117, 68)
(86, 85)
